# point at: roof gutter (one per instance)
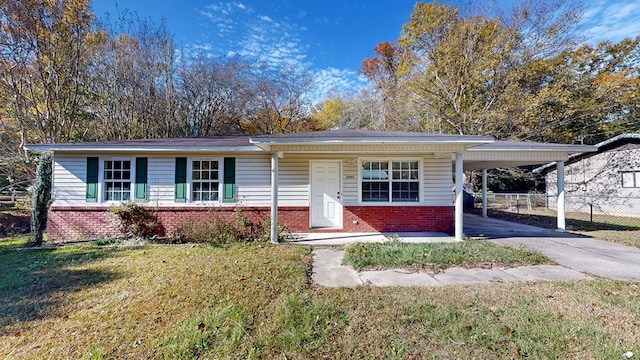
(350, 140)
(467, 141)
(152, 149)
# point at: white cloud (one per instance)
(276, 42)
(337, 82)
(611, 20)
(260, 37)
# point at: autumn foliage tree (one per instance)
(42, 59)
(278, 100)
(66, 75)
(41, 66)
(467, 73)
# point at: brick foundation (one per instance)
(398, 218)
(67, 223)
(80, 223)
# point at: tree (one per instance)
(586, 94)
(279, 99)
(213, 95)
(42, 60)
(454, 71)
(459, 66)
(132, 72)
(41, 66)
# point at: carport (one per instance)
(511, 154)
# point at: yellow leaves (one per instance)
(331, 112)
(427, 23)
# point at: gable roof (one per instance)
(606, 145)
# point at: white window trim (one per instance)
(391, 202)
(190, 161)
(101, 180)
(635, 174)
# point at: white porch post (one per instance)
(561, 209)
(459, 197)
(274, 197)
(484, 193)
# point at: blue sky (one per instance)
(329, 37)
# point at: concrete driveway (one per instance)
(577, 252)
(578, 257)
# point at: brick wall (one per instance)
(399, 218)
(71, 223)
(78, 223)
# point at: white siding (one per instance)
(438, 182)
(253, 179)
(69, 174)
(161, 172)
(293, 182)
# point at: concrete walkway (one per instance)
(328, 271)
(577, 256)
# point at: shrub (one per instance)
(137, 220)
(218, 229)
(40, 197)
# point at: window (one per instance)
(631, 179)
(117, 180)
(402, 184)
(205, 180)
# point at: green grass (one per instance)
(255, 301)
(438, 255)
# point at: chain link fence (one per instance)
(596, 209)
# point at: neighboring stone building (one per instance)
(607, 180)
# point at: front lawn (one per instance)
(435, 256)
(255, 301)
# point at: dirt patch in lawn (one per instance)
(14, 222)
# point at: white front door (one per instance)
(326, 209)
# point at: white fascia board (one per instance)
(470, 140)
(151, 149)
(563, 148)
